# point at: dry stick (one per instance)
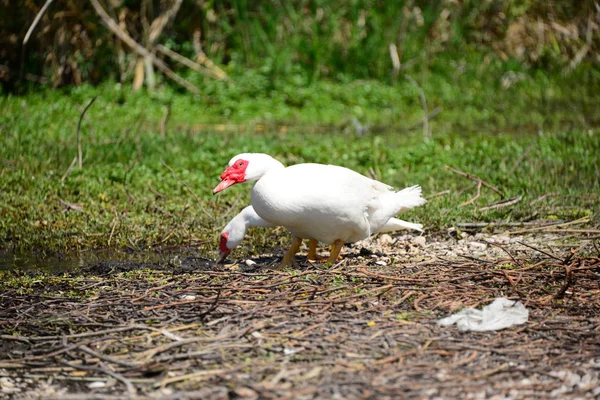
(69, 169)
(159, 24)
(548, 228)
(79, 149)
(186, 61)
(36, 21)
(442, 193)
(569, 280)
(474, 178)
(426, 131)
(111, 360)
(203, 59)
(506, 251)
(188, 188)
(152, 33)
(501, 204)
(139, 49)
(575, 231)
(156, 192)
(477, 195)
(473, 225)
(541, 251)
(71, 206)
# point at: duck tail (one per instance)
(409, 198)
(395, 224)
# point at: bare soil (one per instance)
(363, 328)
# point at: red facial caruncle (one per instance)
(236, 173)
(223, 247)
(223, 242)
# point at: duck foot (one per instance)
(334, 255)
(288, 257)
(312, 255)
(312, 252)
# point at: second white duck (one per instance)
(235, 231)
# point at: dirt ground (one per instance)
(366, 327)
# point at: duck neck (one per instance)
(267, 165)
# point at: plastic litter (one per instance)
(500, 314)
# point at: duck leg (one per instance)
(312, 252)
(288, 258)
(336, 247)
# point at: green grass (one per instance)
(537, 137)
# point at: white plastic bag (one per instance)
(500, 314)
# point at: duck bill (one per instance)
(225, 183)
(222, 256)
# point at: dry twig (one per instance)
(79, 148)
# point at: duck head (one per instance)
(246, 167)
(226, 245)
(235, 231)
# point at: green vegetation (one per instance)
(322, 81)
(536, 137)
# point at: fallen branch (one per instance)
(474, 178)
(503, 203)
(202, 58)
(548, 227)
(159, 24)
(139, 49)
(186, 61)
(475, 225)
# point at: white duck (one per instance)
(235, 231)
(331, 204)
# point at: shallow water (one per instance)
(10, 260)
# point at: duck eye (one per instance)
(240, 163)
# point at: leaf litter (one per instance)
(365, 327)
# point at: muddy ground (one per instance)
(363, 328)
